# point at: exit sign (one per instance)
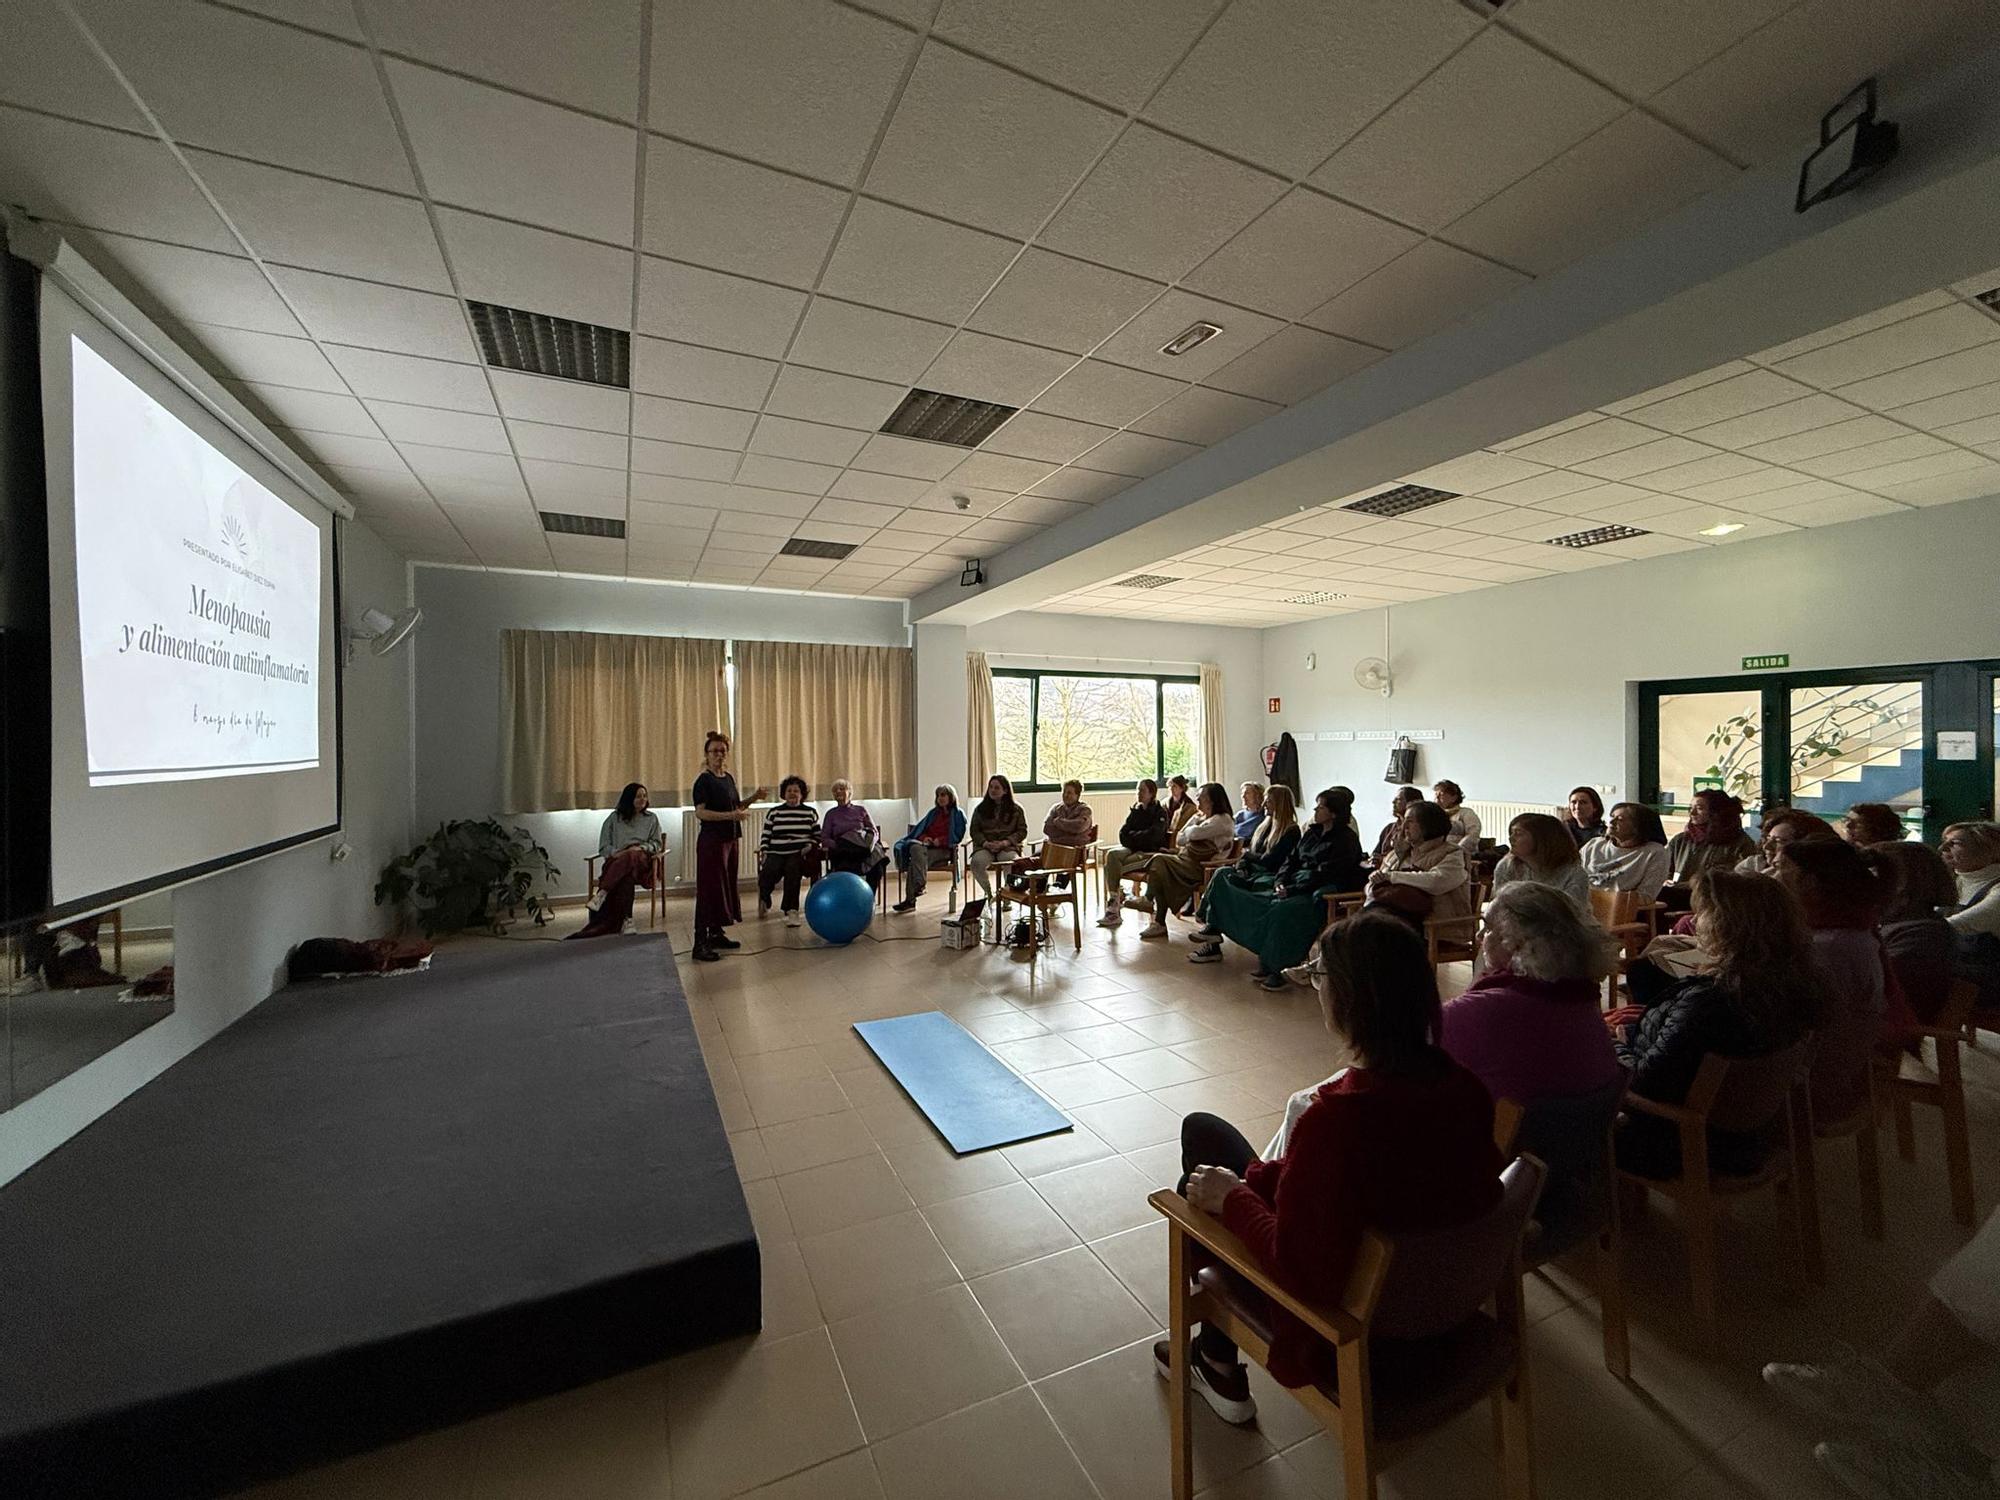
(1276, 704)
(1766, 663)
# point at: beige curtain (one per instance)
(826, 711)
(982, 747)
(581, 715)
(1213, 755)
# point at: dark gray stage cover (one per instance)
(369, 1208)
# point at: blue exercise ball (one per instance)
(840, 906)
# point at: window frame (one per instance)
(1034, 676)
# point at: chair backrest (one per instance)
(1613, 908)
(1961, 998)
(1061, 857)
(1745, 1094)
(1438, 1279)
(1567, 1133)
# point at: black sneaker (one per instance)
(724, 942)
(908, 904)
(1206, 953)
(707, 956)
(1228, 1394)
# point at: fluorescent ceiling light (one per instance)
(1727, 528)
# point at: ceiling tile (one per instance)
(907, 457)
(574, 445)
(1041, 510)
(1833, 437)
(1060, 303)
(1199, 415)
(1083, 485)
(864, 341)
(566, 403)
(768, 472)
(1629, 463)
(691, 422)
(442, 466)
(1895, 312)
(735, 216)
(697, 306)
(1948, 488)
(1959, 406)
(853, 513)
(787, 437)
(552, 481)
(985, 146)
(1887, 477)
(1435, 154)
(911, 263)
(1629, 174)
(1477, 473)
(443, 429)
(1136, 454)
(933, 523)
(1292, 365)
(1851, 507)
(1927, 336)
(193, 286)
(802, 84)
(516, 266)
(1640, 49)
(341, 310)
(356, 452)
(1590, 439)
(1158, 207)
(1140, 344)
(843, 400)
(46, 65)
(1702, 471)
(1851, 462)
(714, 376)
(1760, 480)
(1774, 422)
(583, 53)
(1108, 49)
(1283, 82)
(1107, 394)
(1718, 402)
(79, 174)
(1430, 287)
(992, 369)
(878, 489)
(421, 382)
(1965, 370)
(736, 498)
(249, 87)
(1055, 440)
(680, 461)
(999, 471)
(239, 354)
(310, 411)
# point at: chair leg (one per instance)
(1076, 917)
(1514, 1433)
(1698, 1223)
(1957, 1142)
(1179, 1331)
(1611, 1301)
(1356, 1459)
(1868, 1163)
(1906, 1135)
(1805, 1180)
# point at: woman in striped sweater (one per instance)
(791, 834)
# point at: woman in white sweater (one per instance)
(1541, 852)
(1172, 879)
(1430, 877)
(1632, 856)
(1465, 829)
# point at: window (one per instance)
(1103, 729)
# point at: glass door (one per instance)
(1852, 742)
(1707, 741)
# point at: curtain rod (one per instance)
(1121, 661)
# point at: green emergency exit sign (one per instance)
(1766, 663)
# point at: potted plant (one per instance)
(470, 873)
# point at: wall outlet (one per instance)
(339, 851)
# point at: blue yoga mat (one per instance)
(975, 1100)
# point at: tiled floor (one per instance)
(938, 1328)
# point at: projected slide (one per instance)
(198, 598)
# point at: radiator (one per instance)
(1495, 816)
(753, 831)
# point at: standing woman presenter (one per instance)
(721, 812)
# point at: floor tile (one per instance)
(773, 1103)
(1211, 1096)
(913, 1361)
(1051, 1153)
(1068, 1015)
(1169, 1027)
(1273, 1479)
(1009, 1025)
(1099, 1198)
(743, 1415)
(931, 1171)
(1155, 1068)
(1033, 1053)
(1081, 1083)
(790, 1305)
(1138, 1258)
(842, 1194)
(1130, 1123)
(1002, 1449)
(799, 1145)
(767, 1211)
(854, 1269)
(786, 1065)
(752, 1160)
(1217, 1055)
(1001, 1227)
(849, 1477)
(1110, 1039)
(1061, 1311)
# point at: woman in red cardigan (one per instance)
(1400, 1141)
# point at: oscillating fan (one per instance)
(1372, 673)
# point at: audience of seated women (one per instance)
(1465, 830)
(1758, 993)
(999, 828)
(853, 842)
(1541, 852)
(1143, 835)
(1251, 812)
(628, 843)
(1872, 823)
(1277, 913)
(1973, 852)
(1783, 826)
(1632, 854)
(1172, 879)
(1528, 1026)
(1400, 1141)
(788, 849)
(932, 841)
(1713, 840)
(1583, 815)
(1391, 837)
(1426, 876)
(1919, 940)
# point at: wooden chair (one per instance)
(1040, 900)
(1861, 1125)
(1453, 940)
(1620, 914)
(1911, 1082)
(1412, 1347)
(656, 897)
(1747, 1095)
(1572, 1137)
(1343, 904)
(957, 868)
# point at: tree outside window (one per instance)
(1100, 729)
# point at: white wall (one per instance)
(1529, 681)
(233, 931)
(458, 677)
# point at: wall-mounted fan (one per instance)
(1373, 673)
(384, 631)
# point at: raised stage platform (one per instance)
(369, 1208)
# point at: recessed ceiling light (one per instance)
(1323, 596)
(1597, 536)
(935, 417)
(1145, 581)
(1726, 528)
(1401, 500)
(1191, 337)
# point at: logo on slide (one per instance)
(236, 538)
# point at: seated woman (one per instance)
(1273, 839)
(1713, 840)
(1180, 806)
(851, 839)
(1465, 830)
(1583, 815)
(1071, 824)
(1632, 855)
(1872, 823)
(1427, 878)
(1143, 836)
(1973, 852)
(1251, 813)
(1277, 915)
(999, 828)
(1172, 879)
(627, 843)
(1783, 826)
(1391, 838)
(1758, 994)
(788, 850)
(1919, 940)
(929, 843)
(1401, 1141)
(1541, 852)
(1528, 1027)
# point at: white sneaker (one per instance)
(1235, 1405)
(793, 919)
(631, 926)
(1111, 918)
(595, 903)
(1853, 1392)
(1880, 1470)
(1154, 929)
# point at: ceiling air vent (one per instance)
(537, 344)
(1145, 581)
(1400, 501)
(799, 546)
(933, 417)
(1320, 597)
(568, 525)
(1597, 536)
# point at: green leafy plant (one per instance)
(1738, 763)
(470, 873)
